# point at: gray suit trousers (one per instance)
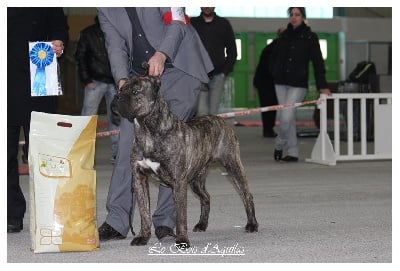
(180, 90)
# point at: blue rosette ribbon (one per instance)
(41, 55)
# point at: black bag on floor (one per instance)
(365, 75)
(362, 72)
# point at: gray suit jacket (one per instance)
(180, 42)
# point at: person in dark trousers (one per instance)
(25, 25)
(164, 38)
(264, 83)
(218, 37)
(294, 49)
(95, 73)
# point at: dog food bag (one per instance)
(62, 183)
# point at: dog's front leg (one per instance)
(141, 188)
(180, 199)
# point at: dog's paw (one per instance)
(139, 241)
(252, 227)
(200, 227)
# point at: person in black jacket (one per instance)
(218, 38)
(25, 25)
(295, 48)
(95, 73)
(264, 83)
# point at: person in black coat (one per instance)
(264, 83)
(25, 25)
(294, 49)
(218, 38)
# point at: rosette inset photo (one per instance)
(44, 80)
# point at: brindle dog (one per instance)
(177, 153)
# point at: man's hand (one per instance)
(90, 85)
(326, 91)
(121, 82)
(156, 64)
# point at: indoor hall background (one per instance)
(349, 38)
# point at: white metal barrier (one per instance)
(345, 148)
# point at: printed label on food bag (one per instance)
(51, 166)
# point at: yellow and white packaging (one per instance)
(62, 183)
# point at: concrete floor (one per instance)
(308, 213)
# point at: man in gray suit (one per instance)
(164, 39)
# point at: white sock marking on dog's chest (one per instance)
(147, 163)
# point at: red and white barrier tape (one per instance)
(232, 114)
(240, 113)
(107, 133)
(267, 108)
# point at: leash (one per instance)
(131, 211)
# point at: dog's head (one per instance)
(137, 97)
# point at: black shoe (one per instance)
(106, 232)
(269, 134)
(277, 155)
(289, 158)
(14, 226)
(164, 231)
